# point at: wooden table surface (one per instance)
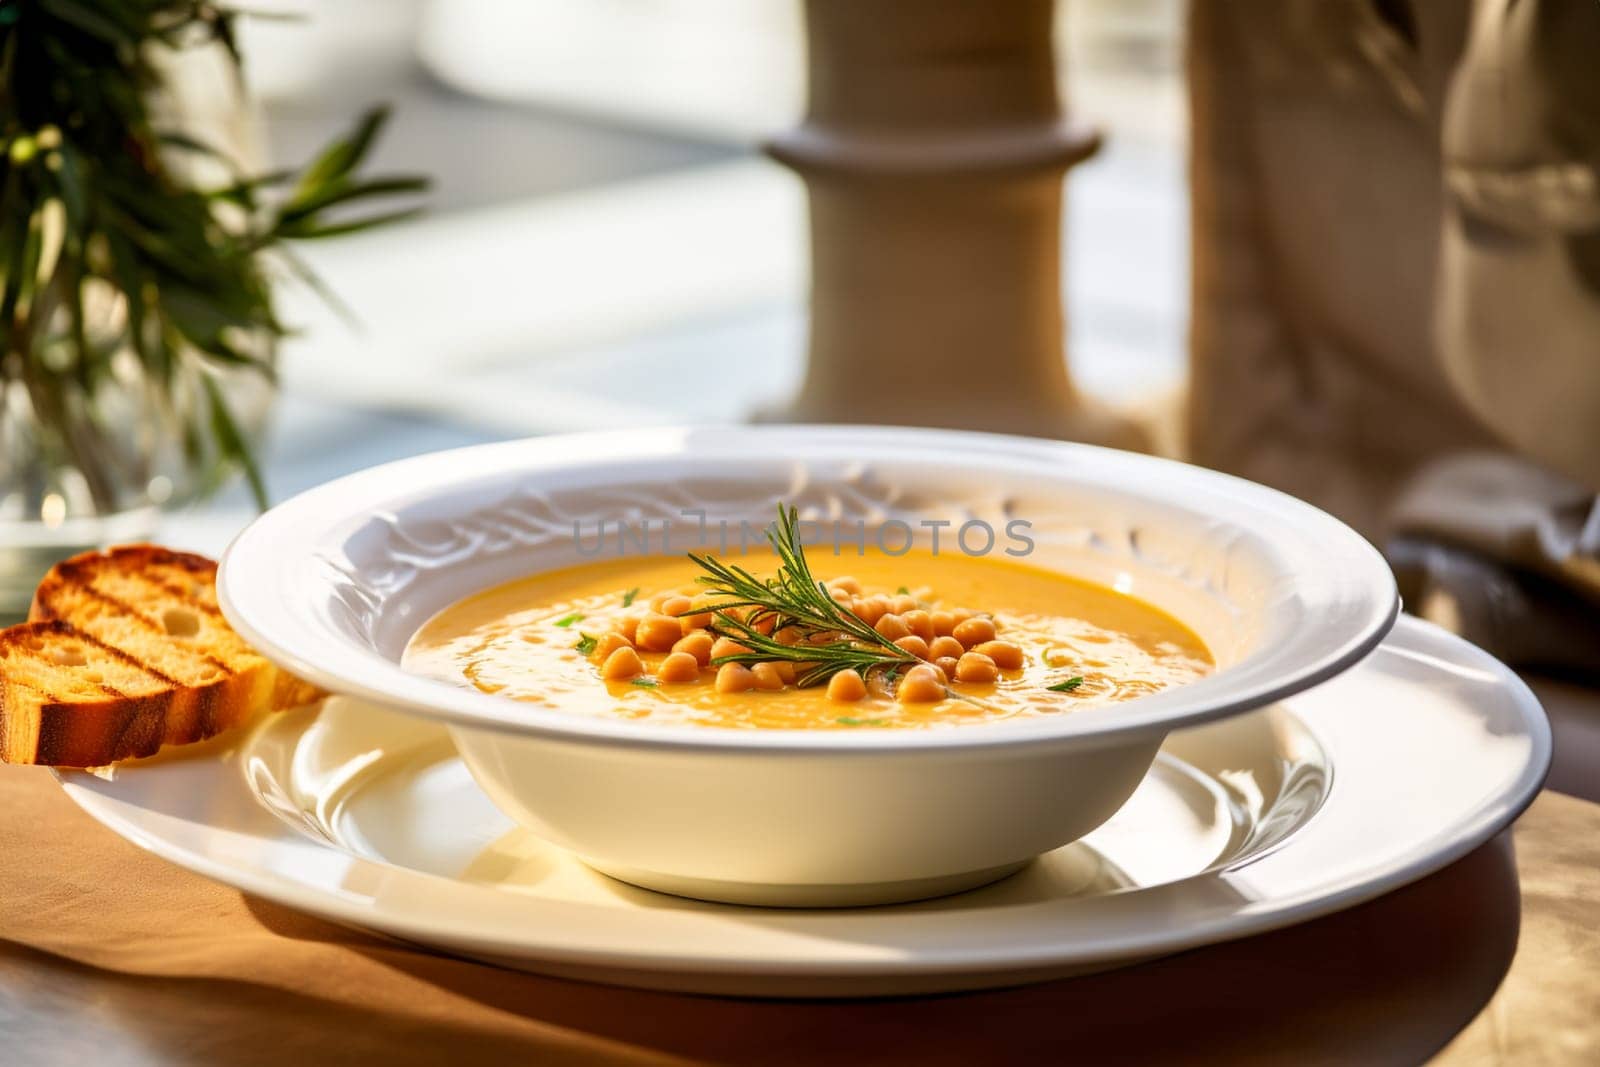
(1495, 959)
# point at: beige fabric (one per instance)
(1519, 289)
(1316, 212)
(1510, 511)
(1396, 217)
(112, 957)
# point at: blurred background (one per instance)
(1346, 248)
(606, 246)
(602, 219)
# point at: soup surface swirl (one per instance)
(544, 640)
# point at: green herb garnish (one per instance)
(832, 638)
(627, 598)
(847, 720)
(644, 683)
(586, 643)
(903, 591)
(568, 620)
(1067, 686)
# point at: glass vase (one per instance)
(90, 460)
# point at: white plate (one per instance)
(1411, 759)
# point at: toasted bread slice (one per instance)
(126, 651)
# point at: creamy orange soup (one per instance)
(548, 640)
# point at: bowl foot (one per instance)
(808, 895)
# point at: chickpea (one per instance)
(787, 636)
(947, 664)
(734, 678)
(766, 676)
(938, 672)
(658, 633)
(920, 685)
(725, 646)
(606, 644)
(1006, 656)
(974, 631)
(678, 668)
(785, 671)
(940, 647)
(919, 622)
(628, 626)
(913, 644)
(846, 583)
(961, 615)
(870, 609)
(892, 626)
(841, 596)
(976, 667)
(765, 624)
(697, 621)
(675, 606)
(943, 623)
(697, 644)
(621, 665)
(903, 603)
(846, 687)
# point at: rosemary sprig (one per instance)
(831, 637)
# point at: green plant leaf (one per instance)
(231, 443)
(244, 191)
(186, 143)
(312, 232)
(343, 156)
(302, 209)
(105, 21)
(196, 265)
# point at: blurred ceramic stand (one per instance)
(933, 147)
(933, 150)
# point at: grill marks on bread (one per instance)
(125, 651)
(122, 614)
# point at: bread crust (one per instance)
(180, 682)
